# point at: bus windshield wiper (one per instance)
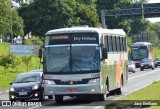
(73, 62)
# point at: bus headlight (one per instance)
(49, 82)
(142, 65)
(94, 80)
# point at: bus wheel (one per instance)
(119, 90)
(58, 98)
(102, 97)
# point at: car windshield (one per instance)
(146, 60)
(27, 77)
(72, 58)
(157, 59)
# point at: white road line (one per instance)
(142, 75)
(98, 107)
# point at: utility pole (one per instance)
(11, 34)
(103, 19)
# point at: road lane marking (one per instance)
(142, 75)
(98, 107)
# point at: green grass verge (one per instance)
(11, 73)
(149, 94)
(156, 51)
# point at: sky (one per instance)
(154, 19)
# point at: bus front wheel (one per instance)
(102, 97)
(58, 98)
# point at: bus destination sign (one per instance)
(91, 38)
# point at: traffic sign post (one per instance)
(133, 11)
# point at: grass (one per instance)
(156, 51)
(150, 94)
(11, 73)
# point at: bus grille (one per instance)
(59, 82)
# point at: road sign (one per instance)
(24, 50)
(140, 38)
(132, 11)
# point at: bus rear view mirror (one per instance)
(104, 53)
(40, 53)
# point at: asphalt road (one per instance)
(136, 81)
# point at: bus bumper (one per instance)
(93, 88)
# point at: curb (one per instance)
(3, 91)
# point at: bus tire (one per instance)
(59, 98)
(119, 90)
(112, 92)
(102, 97)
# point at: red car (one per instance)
(157, 62)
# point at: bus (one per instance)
(84, 61)
(141, 50)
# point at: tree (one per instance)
(4, 17)
(9, 16)
(141, 1)
(26, 60)
(6, 60)
(43, 15)
(17, 23)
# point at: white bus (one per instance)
(84, 61)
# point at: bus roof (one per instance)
(141, 44)
(80, 29)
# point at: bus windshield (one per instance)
(139, 53)
(72, 58)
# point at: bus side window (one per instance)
(118, 44)
(125, 44)
(105, 41)
(115, 40)
(113, 43)
(108, 43)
